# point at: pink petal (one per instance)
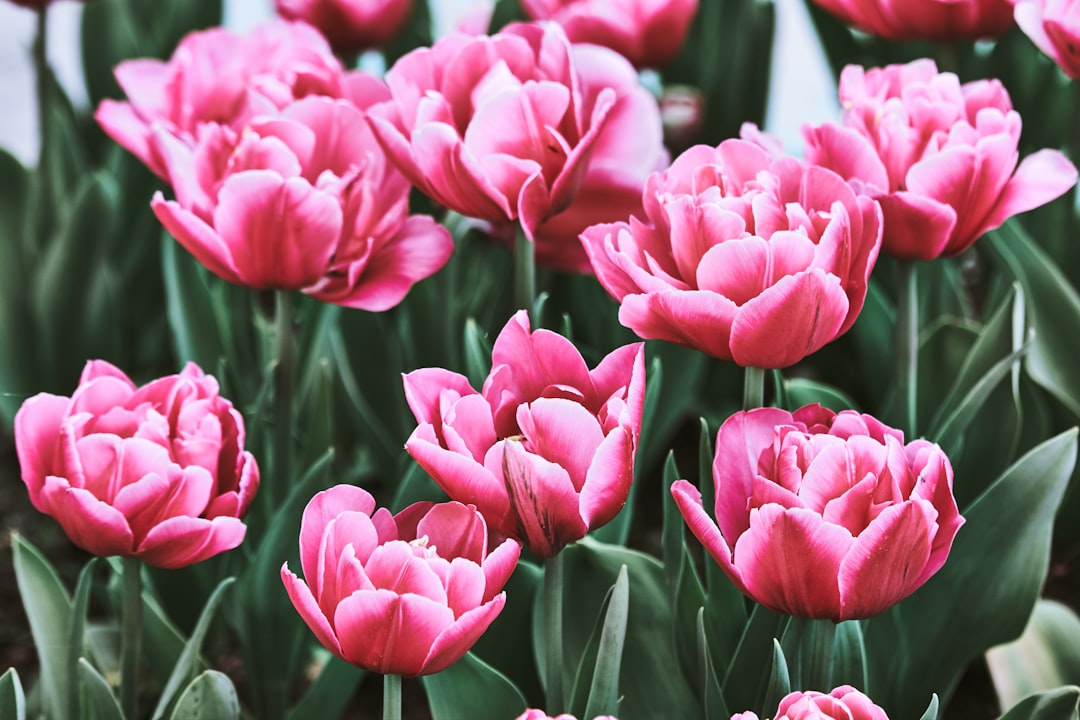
(688, 499)
(455, 640)
(123, 124)
(394, 566)
(461, 477)
(608, 481)
(563, 432)
(695, 318)
(465, 585)
(308, 607)
(424, 387)
(37, 429)
(916, 227)
(1041, 177)
(499, 566)
(320, 510)
(93, 525)
(455, 530)
(197, 237)
(181, 541)
(388, 633)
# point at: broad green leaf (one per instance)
(748, 674)
(779, 680)
(849, 656)
(77, 635)
(331, 692)
(604, 694)
(1046, 656)
(712, 697)
(472, 688)
(189, 306)
(586, 665)
(507, 643)
(1058, 704)
(210, 696)
(808, 646)
(12, 697)
(99, 695)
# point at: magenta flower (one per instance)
(843, 703)
(351, 26)
(534, 714)
(157, 472)
(546, 450)
(747, 258)
(938, 20)
(301, 200)
(404, 594)
(940, 157)
(824, 515)
(1054, 26)
(649, 33)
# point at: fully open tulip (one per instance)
(649, 33)
(824, 515)
(217, 76)
(1053, 25)
(546, 450)
(350, 25)
(157, 472)
(404, 594)
(745, 257)
(940, 157)
(301, 200)
(843, 703)
(939, 20)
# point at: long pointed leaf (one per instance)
(210, 696)
(472, 688)
(12, 697)
(604, 695)
(98, 693)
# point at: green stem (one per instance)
(753, 388)
(284, 382)
(131, 635)
(44, 105)
(907, 345)
(525, 274)
(391, 697)
(1073, 139)
(553, 627)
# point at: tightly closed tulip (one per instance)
(157, 472)
(938, 20)
(217, 76)
(940, 157)
(302, 200)
(351, 26)
(824, 515)
(404, 594)
(745, 257)
(649, 33)
(546, 450)
(1053, 25)
(843, 703)
(498, 128)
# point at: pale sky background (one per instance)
(802, 89)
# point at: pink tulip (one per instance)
(351, 26)
(546, 450)
(746, 257)
(498, 128)
(216, 76)
(404, 594)
(534, 714)
(301, 200)
(1053, 25)
(157, 472)
(940, 157)
(649, 33)
(937, 20)
(824, 515)
(843, 703)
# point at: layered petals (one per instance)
(1054, 26)
(843, 703)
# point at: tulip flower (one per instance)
(937, 20)
(404, 594)
(648, 33)
(158, 472)
(301, 200)
(940, 157)
(217, 76)
(534, 714)
(843, 703)
(824, 515)
(351, 26)
(746, 257)
(1054, 26)
(546, 450)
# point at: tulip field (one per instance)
(354, 369)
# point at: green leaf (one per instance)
(210, 696)
(477, 354)
(76, 637)
(12, 698)
(604, 695)
(48, 608)
(801, 391)
(808, 645)
(849, 656)
(189, 305)
(1057, 704)
(472, 688)
(931, 709)
(1046, 656)
(779, 680)
(748, 674)
(992, 577)
(331, 692)
(101, 699)
(507, 643)
(712, 697)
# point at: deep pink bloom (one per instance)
(748, 258)
(938, 20)
(497, 128)
(157, 472)
(217, 76)
(404, 594)
(300, 200)
(843, 703)
(546, 450)
(649, 33)
(940, 157)
(351, 26)
(1053, 25)
(534, 714)
(824, 515)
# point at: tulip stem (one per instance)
(284, 379)
(44, 103)
(553, 627)
(907, 345)
(132, 635)
(391, 697)
(753, 388)
(525, 274)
